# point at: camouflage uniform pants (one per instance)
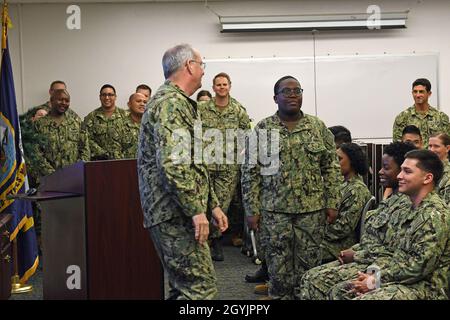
(188, 265)
(292, 247)
(317, 283)
(388, 292)
(236, 210)
(224, 185)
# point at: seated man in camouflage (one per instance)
(317, 282)
(65, 142)
(415, 253)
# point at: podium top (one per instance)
(69, 179)
(41, 196)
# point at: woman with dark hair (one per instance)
(440, 145)
(341, 234)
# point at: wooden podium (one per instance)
(94, 242)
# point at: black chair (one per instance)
(360, 227)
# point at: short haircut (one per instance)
(397, 151)
(422, 82)
(277, 84)
(411, 129)
(174, 58)
(59, 92)
(358, 159)
(143, 87)
(203, 93)
(57, 82)
(107, 86)
(429, 162)
(222, 75)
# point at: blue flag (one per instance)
(13, 173)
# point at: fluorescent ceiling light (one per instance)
(313, 22)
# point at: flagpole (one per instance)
(16, 286)
(4, 24)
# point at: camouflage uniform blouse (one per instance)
(432, 122)
(233, 117)
(65, 143)
(341, 234)
(168, 187)
(443, 188)
(307, 177)
(107, 136)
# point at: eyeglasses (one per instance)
(202, 64)
(287, 92)
(104, 95)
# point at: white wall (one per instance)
(122, 44)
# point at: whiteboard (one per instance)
(361, 92)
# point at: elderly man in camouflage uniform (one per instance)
(297, 194)
(106, 127)
(415, 253)
(428, 119)
(223, 113)
(65, 143)
(136, 105)
(175, 189)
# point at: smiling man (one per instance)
(66, 143)
(415, 253)
(295, 200)
(224, 113)
(317, 283)
(106, 127)
(428, 119)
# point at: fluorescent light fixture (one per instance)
(361, 21)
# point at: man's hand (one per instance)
(253, 222)
(364, 283)
(201, 225)
(220, 219)
(346, 256)
(331, 215)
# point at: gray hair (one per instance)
(175, 57)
